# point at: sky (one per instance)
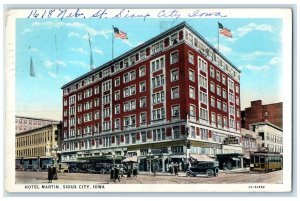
(255, 49)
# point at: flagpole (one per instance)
(112, 49)
(218, 36)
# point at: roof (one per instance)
(145, 44)
(35, 118)
(267, 123)
(39, 128)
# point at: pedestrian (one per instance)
(54, 173)
(112, 173)
(129, 173)
(172, 169)
(180, 167)
(117, 174)
(176, 169)
(50, 174)
(154, 170)
(224, 166)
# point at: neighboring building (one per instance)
(271, 136)
(38, 147)
(261, 113)
(29, 123)
(252, 142)
(170, 96)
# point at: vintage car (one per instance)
(208, 168)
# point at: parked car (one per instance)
(74, 169)
(209, 169)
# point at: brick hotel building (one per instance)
(173, 97)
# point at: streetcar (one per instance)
(265, 161)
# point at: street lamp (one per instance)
(113, 154)
(149, 155)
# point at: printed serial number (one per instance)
(256, 187)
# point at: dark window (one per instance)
(262, 134)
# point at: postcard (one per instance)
(148, 100)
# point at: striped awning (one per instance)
(201, 157)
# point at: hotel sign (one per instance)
(231, 140)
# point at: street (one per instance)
(145, 178)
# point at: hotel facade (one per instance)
(170, 97)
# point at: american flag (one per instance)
(120, 34)
(224, 31)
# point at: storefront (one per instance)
(230, 161)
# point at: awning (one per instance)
(132, 159)
(201, 157)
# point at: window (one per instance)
(157, 47)
(212, 101)
(238, 113)
(117, 81)
(143, 54)
(96, 90)
(203, 81)
(127, 139)
(106, 86)
(129, 121)
(193, 132)
(106, 126)
(237, 89)
(191, 58)
(203, 114)
(143, 134)
(204, 134)
(174, 39)
(79, 96)
(143, 102)
(117, 124)
(231, 97)
(96, 102)
(231, 123)
(157, 64)
(231, 84)
(237, 100)
(231, 110)
(129, 105)
(212, 87)
(225, 121)
(191, 75)
(174, 75)
(128, 91)
(87, 117)
(192, 92)
(193, 112)
(133, 138)
(143, 119)
(158, 114)
(117, 109)
(174, 57)
(202, 65)
(218, 75)
(106, 112)
(223, 79)
(158, 81)
(219, 106)
(224, 107)
(96, 115)
(203, 97)
(106, 99)
(175, 92)
(219, 121)
(158, 97)
(142, 86)
(175, 111)
(127, 77)
(176, 132)
(212, 72)
(213, 117)
(219, 90)
(117, 95)
(224, 94)
(142, 71)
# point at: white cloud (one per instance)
(34, 50)
(48, 63)
(79, 50)
(26, 31)
(127, 42)
(255, 67)
(274, 61)
(73, 34)
(255, 54)
(52, 75)
(61, 63)
(67, 78)
(79, 63)
(224, 49)
(241, 31)
(98, 51)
